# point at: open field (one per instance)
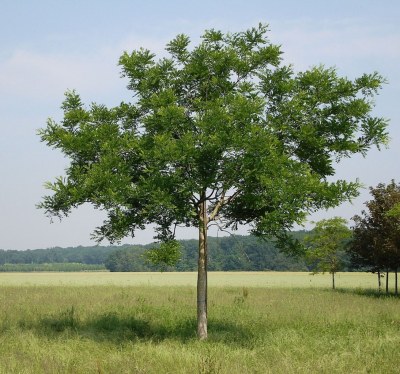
(109, 323)
(215, 279)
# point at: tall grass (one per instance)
(151, 329)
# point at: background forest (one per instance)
(245, 253)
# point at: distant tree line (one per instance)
(95, 255)
(245, 253)
(241, 253)
(55, 266)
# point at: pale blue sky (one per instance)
(47, 47)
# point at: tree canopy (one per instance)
(325, 245)
(222, 133)
(376, 243)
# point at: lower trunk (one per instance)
(387, 281)
(333, 280)
(379, 282)
(395, 283)
(202, 275)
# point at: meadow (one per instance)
(145, 323)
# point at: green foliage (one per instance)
(166, 254)
(239, 253)
(326, 244)
(95, 255)
(66, 266)
(395, 211)
(222, 124)
(376, 244)
(128, 258)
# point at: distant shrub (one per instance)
(66, 266)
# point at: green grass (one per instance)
(215, 279)
(114, 327)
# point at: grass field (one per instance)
(215, 279)
(145, 323)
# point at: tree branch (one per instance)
(232, 197)
(223, 201)
(217, 207)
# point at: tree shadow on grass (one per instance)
(367, 293)
(117, 328)
(113, 327)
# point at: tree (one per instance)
(217, 133)
(364, 250)
(376, 242)
(326, 245)
(127, 258)
(394, 212)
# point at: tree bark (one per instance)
(333, 280)
(395, 283)
(379, 282)
(387, 281)
(202, 273)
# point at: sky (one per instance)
(48, 47)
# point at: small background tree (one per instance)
(325, 246)
(376, 238)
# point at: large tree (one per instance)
(219, 132)
(376, 239)
(325, 245)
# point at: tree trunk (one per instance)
(395, 283)
(202, 273)
(333, 280)
(379, 282)
(387, 281)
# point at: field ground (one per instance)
(215, 279)
(145, 323)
